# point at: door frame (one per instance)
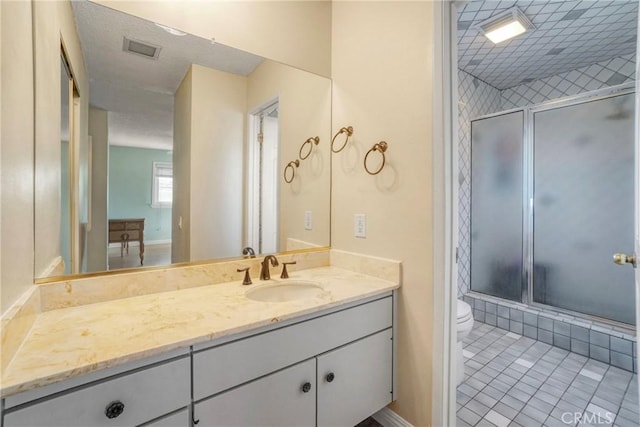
(252, 167)
(637, 197)
(444, 194)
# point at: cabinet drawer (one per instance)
(145, 394)
(275, 400)
(223, 367)
(116, 236)
(134, 225)
(114, 226)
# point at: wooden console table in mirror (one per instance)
(125, 230)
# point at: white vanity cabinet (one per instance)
(128, 399)
(329, 368)
(283, 377)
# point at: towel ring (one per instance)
(349, 131)
(381, 147)
(314, 140)
(291, 165)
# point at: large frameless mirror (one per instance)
(183, 154)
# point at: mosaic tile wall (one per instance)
(597, 76)
(477, 98)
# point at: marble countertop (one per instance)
(73, 341)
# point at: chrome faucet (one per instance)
(264, 271)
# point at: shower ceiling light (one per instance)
(506, 25)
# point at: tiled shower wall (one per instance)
(597, 76)
(608, 344)
(477, 98)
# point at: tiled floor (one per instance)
(511, 380)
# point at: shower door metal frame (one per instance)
(597, 95)
(528, 189)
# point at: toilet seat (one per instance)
(464, 312)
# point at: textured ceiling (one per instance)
(139, 91)
(568, 35)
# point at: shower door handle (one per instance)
(621, 259)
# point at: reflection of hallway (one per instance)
(154, 255)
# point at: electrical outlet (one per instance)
(359, 225)
(308, 220)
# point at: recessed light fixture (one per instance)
(505, 25)
(171, 30)
(141, 48)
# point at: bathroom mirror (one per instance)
(188, 141)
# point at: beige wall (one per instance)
(381, 70)
(47, 136)
(304, 111)
(54, 23)
(181, 207)
(16, 151)
(293, 32)
(217, 133)
(97, 237)
(218, 128)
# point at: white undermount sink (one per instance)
(289, 290)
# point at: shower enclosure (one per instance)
(552, 201)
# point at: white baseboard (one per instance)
(388, 418)
(146, 243)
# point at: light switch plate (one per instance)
(308, 220)
(359, 225)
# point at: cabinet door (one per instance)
(355, 381)
(274, 400)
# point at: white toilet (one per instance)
(464, 325)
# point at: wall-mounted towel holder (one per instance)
(291, 165)
(348, 131)
(380, 147)
(311, 141)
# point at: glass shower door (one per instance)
(583, 175)
(497, 205)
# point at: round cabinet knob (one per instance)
(114, 409)
(330, 376)
(306, 387)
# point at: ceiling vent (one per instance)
(141, 48)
